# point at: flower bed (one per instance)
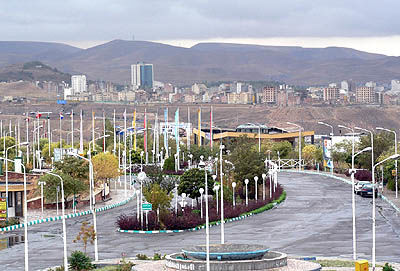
(189, 218)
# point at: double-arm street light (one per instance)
(92, 201)
(203, 165)
(300, 128)
(63, 217)
(395, 152)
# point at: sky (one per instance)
(368, 25)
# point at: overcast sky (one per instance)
(370, 25)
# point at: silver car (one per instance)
(358, 186)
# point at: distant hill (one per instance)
(211, 62)
(32, 71)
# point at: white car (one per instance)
(358, 186)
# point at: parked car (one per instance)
(366, 190)
(358, 186)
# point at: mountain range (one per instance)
(208, 62)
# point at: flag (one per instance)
(177, 129)
(199, 126)
(38, 115)
(145, 132)
(166, 130)
(61, 116)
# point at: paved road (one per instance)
(315, 220)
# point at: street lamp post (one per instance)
(263, 177)
(353, 155)
(373, 194)
(176, 199)
(392, 157)
(246, 182)
(233, 193)
(141, 177)
(138, 205)
(201, 190)
(221, 147)
(256, 179)
(216, 188)
(328, 125)
(92, 201)
(63, 218)
(300, 128)
(41, 183)
(203, 165)
(395, 151)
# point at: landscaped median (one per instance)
(262, 209)
(55, 218)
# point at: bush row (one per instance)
(188, 218)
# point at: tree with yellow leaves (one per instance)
(105, 166)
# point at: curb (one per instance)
(55, 218)
(343, 180)
(274, 204)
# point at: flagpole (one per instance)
(188, 132)
(211, 127)
(72, 128)
(115, 139)
(104, 132)
(134, 127)
(124, 154)
(145, 136)
(27, 137)
(81, 134)
(49, 133)
(61, 139)
(166, 132)
(199, 127)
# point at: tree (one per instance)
(105, 166)
(71, 186)
(248, 162)
(192, 180)
(310, 153)
(382, 143)
(283, 147)
(169, 164)
(158, 197)
(74, 167)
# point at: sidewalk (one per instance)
(116, 197)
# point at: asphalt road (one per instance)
(315, 220)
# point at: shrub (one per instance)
(189, 218)
(142, 257)
(9, 222)
(391, 185)
(387, 267)
(80, 262)
(169, 164)
(363, 175)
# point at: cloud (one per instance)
(83, 20)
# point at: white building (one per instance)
(78, 84)
(395, 85)
(344, 85)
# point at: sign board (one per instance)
(3, 208)
(61, 102)
(326, 148)
(393, 172)
(147, 206)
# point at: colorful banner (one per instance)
(211, 127)
(145, 132)
(326, 147)
(199, 127)
(166, 131)
(3, 208)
